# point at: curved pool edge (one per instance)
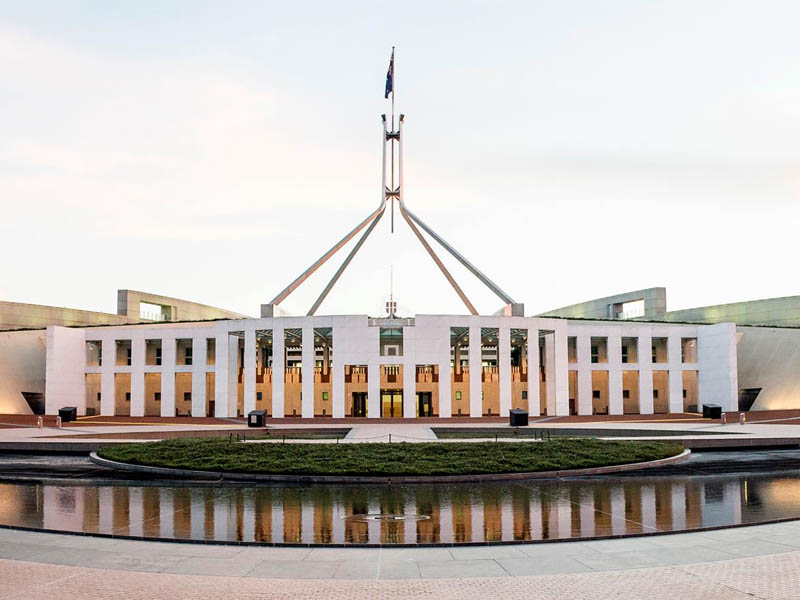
(345, 479)
(351, 545)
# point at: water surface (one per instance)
(414, 514)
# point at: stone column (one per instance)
(409, 388)
(222, 370)
(584, 356)
(137, 376)
(308, 363)
(409, 374)
(614, 352)
(107, 388)
(278, 370)
(534, 392)
(504, 365)
(168, 376)
(337, 382)
(233, 375)
(445, 386)
(373, 389)
(249, 371)
(199, 352)
(561, 369)
(550, 372)
(475, 371)
(675, 374)
(644, 350)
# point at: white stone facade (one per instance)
(426, 340)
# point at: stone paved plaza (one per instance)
(749, 562)
(760, 561)
(87, 433)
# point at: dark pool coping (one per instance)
(617, 536)
(343, 479)
(568, 432)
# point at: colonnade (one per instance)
(566, 361)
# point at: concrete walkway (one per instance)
(751, 562)
(381, 432)
(402, 563)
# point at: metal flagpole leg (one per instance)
(472, 269)
(321, 261)
(308, 272)
(438, 262)
(400, 189)
(346, 262)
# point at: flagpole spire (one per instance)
(393, 87)
(391, 67)
(392, 191)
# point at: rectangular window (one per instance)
(157, 397)
(524, 394)
(391, 341)
(98, 396)
(596, 394)
(689, 350)
(655, 393)
(659, 350)
(158, 356)
(458, 395)
(599, 348)
(630, 350)
(626, 394)
(259, 395)
(127, 396)
(128, 356)
(187, 396)
(94, 354)
(188, 355)
(324, 396)
(572, 349)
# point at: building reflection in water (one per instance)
(425, 514)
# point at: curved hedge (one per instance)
(399, 459)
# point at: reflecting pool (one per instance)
(418, 514)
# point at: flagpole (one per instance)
(393, 87)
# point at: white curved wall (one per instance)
(22, 368)
(769, 358)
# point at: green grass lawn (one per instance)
(458, 458)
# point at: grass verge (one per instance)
(458, 458)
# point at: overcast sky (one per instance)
(213, 150)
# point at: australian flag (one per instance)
(390, 77)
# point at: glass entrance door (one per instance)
(392, 404)
(359, 404)
(424, 404)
